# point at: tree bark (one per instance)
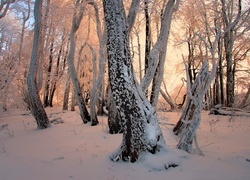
(148, 36)
(43, 50)
(141, 132)
(187, 113)
(66, 94)
(229, 37)
(36, 106)
(190, 119)
(114, 118)
(48, 76)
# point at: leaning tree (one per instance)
(191, 116)
(35, 102)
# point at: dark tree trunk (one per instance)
(48, 78)
(137, 115)
(66, 94)
(190, 60)
(35, 103)
(228, 13)
(114, 118)
(148, 35)
(220, 68)
(73, 100)
(56, 77)
(228, 43)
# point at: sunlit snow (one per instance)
(73, 150)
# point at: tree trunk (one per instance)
(188, 112)
(227, 15)
(77, 17)
(55, 78)
(25, 19)
(148, 38)
(168, 99)
(220, 68)
(158, 76)
(73, 100)
(114, 118)
(66, 94)
(36, 106)
(160, 47)
(228, 43)
(190, 119)
(93, 115)
(99, 83)
(48, 78)
(141, 132)
(43, 50)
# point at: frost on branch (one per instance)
(191, 116)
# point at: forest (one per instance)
(138, 70)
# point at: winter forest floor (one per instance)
(72, 150)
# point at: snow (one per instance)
(73, 150)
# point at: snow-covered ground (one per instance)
(72, 150)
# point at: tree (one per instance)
(156, 57)
(114, 119)
(167, 97)
(36, 105)
(98, 84)
(141, 132)
(77, 17)
(171, 7)
(190, 119)
(43, 46)
(48, 74)
(229, 20)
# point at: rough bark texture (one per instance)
(35, 103)
(141, 132)
(114, 118)
(148, 35)
(190, 119)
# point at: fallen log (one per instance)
(228, 111)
